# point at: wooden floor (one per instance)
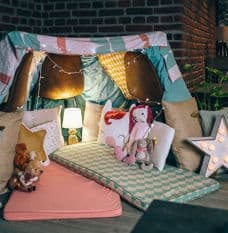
(122, 224)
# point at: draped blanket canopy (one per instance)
(16, 45)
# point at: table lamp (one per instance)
(72, 119)
(222, 40)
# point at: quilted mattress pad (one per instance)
(135, 185)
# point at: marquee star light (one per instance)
(215, 147)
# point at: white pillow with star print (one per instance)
(53, 140)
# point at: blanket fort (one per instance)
(16, 44)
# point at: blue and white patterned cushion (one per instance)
(135, 185)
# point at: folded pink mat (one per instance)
(63, 194)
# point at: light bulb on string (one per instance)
(62, 70)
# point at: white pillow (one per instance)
(164, 135)
(38, 117)
(91, 121)
(53, 140)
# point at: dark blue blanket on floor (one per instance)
(169, 217)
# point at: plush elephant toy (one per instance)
(142, 150)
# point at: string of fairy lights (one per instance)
(61, 69)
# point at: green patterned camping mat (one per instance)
(139, 187)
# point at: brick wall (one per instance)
(198, 40)
(107, 17)
(21, 15)
(189, 24)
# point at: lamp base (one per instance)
(72, 137)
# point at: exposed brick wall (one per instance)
(189, 24)
(198, 37)
(108, 17)
(21, 15)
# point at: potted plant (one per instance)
(211, 93)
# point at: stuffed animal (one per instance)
(21, 157)
(23, 180)
(142, 150)
(140, 119)
(27, 169)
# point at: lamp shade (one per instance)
(72, 118)
(222, 33)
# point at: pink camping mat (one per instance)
(63, 194)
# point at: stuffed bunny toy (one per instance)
(142, 150)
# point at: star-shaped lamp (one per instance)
(215, 147)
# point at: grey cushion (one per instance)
(208, 118)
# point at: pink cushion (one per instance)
(62, 194)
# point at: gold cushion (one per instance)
(18, 91)
(57, 84)
(113, 63)
(9, 125)
(181, 117)
(33, 140)
(142, 80)
(133, 73)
